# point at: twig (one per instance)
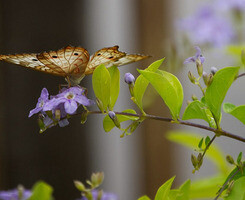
(216, 131)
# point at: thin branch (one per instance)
(216, 131)
(240, 75)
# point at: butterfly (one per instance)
(73, 63)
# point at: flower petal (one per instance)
(70, 106)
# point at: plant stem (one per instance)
(219, 131)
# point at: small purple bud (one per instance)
(213, 70)
(129, 78)
(111, 115)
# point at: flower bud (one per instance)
(213, 70)
(210, 79)
(84, 116)
(194, 160)
(230, 160)
(200, 160)
(97, 179)
(129, 78)
(205, 77)
(134, 125)
(113, 116)
(194, 97)
(199, 67)
(79, 185)
(191, 77)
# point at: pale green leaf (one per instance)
(206, 187)
(168, 87)
(41, 191)
(198, 110)
(115, 85)
(163, 191)
(236, 111)
(141, 83)
(101, 85)
(216, 92)
(144, 198)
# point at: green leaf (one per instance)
(115, 85)
(216, 92)
(198, 110)
(238, 112)
(163, 191)
(168, 87)
(141, 83)
(207, 140)
(108, 124)
(41, 191)
(206, 188)
(238, 190)
(184, 191)
(239, 158)
(200, 143)
(101, 85)
(144, 198)
(190, 140)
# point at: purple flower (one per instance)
(41, 101)
(15, 195)
(105, 196)
(70, 98)
(129, 78)
(207, 27)
(198, 56)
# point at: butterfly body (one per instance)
(73, 63)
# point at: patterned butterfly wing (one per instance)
(127, 59)
(29, 61)
(106, 56)
(69, 61)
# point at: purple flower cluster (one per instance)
(15, 195)
(105, 196)
(57, 107)
(207, 27)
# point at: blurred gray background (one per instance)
(134, 165)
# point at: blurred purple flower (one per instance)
(228, 5)
(15, 195)
(70, 97)
(197, 56)
(206, 27)
(41, 101)
(105, 196)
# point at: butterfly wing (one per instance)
(65, 62)
(127, 59)
(111, 56)
(104, 56)
(29, 61)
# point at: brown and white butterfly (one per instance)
(73, 63)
